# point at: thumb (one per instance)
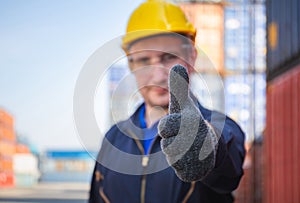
(178, 87)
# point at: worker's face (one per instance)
(151, 59)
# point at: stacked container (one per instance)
(25, 166)
(281, 141)
(67, 166)
(7, 149)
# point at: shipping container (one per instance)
(7, 148)
(7, 133)
(25, 167)
(282, 142)
(67, 166)
(283, 23)
(6, 119)
(25, 163)
(22, 148)
(6, 164)
(208, 19)
(26, 180)
(6, 127)
(7, 179)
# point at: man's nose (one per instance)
(160, 73)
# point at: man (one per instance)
(171, 149)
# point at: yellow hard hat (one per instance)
(155, 17)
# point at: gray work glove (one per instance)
(188, 141)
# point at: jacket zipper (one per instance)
(145, 161)
(189, 193)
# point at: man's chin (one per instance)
(162, 105)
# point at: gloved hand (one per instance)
(188, 141)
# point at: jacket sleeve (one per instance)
(228, 170)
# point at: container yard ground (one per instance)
(45, 192)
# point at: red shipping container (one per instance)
(21, 148)
(7, 148)
(6, 119)
(281, 142)
(7, 134)
(2, 136)
(7, 179)
(6, 164)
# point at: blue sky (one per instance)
(43, 46)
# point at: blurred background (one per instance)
(251, 46)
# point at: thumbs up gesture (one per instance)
(188, 141)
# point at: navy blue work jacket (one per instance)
(124, 174)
